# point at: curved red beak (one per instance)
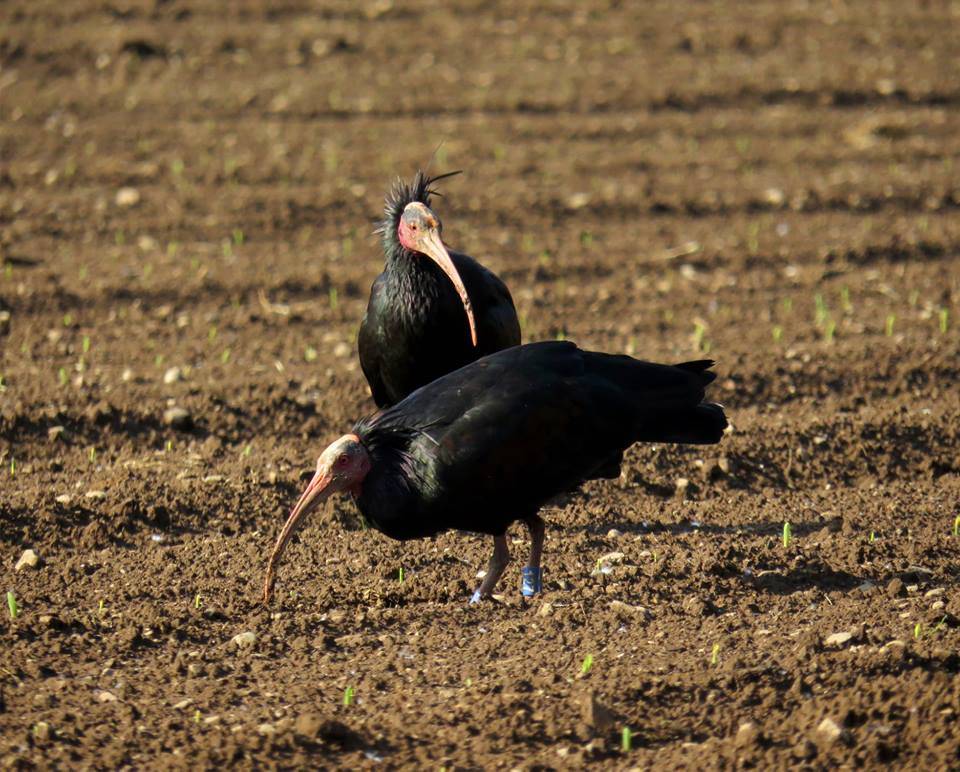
(315, 493)
(431, 245)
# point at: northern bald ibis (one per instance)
(431, 310)
(492, 442)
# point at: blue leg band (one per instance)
(532, 581)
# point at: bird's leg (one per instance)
(531, 573)
(495, 569)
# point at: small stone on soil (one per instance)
(838, 639)
(178, 418)
(172, 375)
(54, 433)
(613, 533)
(895, 587)
(747, 735)
(29, 559)
(244, 640)
(128, 197)
(829, 731)
(95, 495)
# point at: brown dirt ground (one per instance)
(651, 178)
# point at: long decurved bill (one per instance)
(433, 248)
(316, 492)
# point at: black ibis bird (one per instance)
(432, 310)
(492, 442)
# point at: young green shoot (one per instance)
(67, 320)
(944, 316)
(348, 697)
(587, 665)
(86, 344)
(13, 467)
(821, 309)
(787, 534)
(100, 608)
(247, 450)
(956, 526)
(334, 298)
(888, 327)
(715, 654)
(829, 330)
(699, 330)
(845, 303)
(873, 536)
(310, 355)
(12, 604)
(3, 386)
(914, 297)
(237, 236)
(917, 630)
(158, 360)
(92, 454)
(626, 740)
(169, 446)
(196, 716)
(196, 601)
(777, 333)
(212, 333)
(62, 376)
(586, 239)
(225, 356)
(400, 574)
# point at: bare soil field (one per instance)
(188, 190)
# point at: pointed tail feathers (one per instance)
(702, 425)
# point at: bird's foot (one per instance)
(532, 581)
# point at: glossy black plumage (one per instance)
(493, 441)
(415, 329)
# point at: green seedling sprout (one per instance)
(62, 376)
(888, 326)
(237, 236)
(787, 305)
(100, 608)
(777, 333)
(3, 386)
(587, 665)
(715, 654)
(227, 248)
(939, 626)
(13, 467)
(917, 630)
(212, 333)
(873, 537)
(196, 716)
(787, 534)
(310, 355)
(85, 345)
(845, 303)
(586, 239)
(944, 319)
(400, 574)
(348, 696)
(821, 306)
(8, 270)
(225, 356)
(196, 601)
(92, 454)
(626, 740)
(914, 297)
(67, 320)
(158, 360)
(829, 330)
(956, 526)
(698, 332)
(12, 604)
(247, 450)
(334, 298)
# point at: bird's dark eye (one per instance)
(342, 461)
(413, 227)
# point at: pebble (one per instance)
(95, 494)
(308, 725)
(183, 704)
(244, 640)
(829, 731)
(933, 593)
(29, 559)
(545, 610)
(127, 375)
(266, 729)
(612, 557)
(682, 484)
(838, 639)
(128, 197)
(102, 695)
(41, 731)
(613, 533)
(172, 375)
(342, 350)
(895, 587)
(54, 433)
(747, 735)
(178, 418)
(63, 498)
(213, 478)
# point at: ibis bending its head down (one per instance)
(432, 310)
(492, 442)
